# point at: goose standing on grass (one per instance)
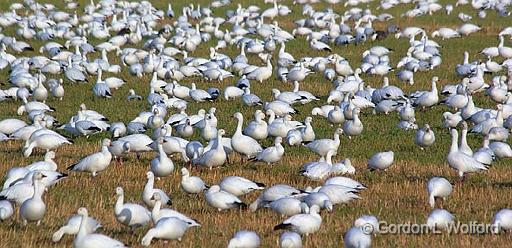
(244, 239)
(34, 208)
(438, 187)
(244, 144)
(460, 161)
(72, 227)
(159, 213)
(130, 214)
(96, 162)
(288, 206)
(272, 154)
(214, 157)
(353, 127)
(273, 193)
(368, 220)
(290, 240)
(6, 210)
(318, 170)
(149, 190)
(161, 165)
(21, 192)
(46, 142)
(425, 137)
(356, 237)
(303, 223)
(169, 228)
(191, 184)
(381, 160)
(239, 186)
(440, 219)
(257, 128)
(427, 98)
(323, 146)
(83, 239)
(222, 200)
(502, 220)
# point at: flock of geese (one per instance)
(134, 33)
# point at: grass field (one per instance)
(396, 196)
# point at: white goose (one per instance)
(159, 213)
(440, 219)
(213, 157)
(257, 128)
(381, 160)
(96, 162)
(502, 220)
(460, 161)
(355, 237)
(161, 165)
(244, 239)
(272, 154)
(425, 137)
(239, 186)
(83, 239)
(244, 144)
(34, 208)
(290, 240)
(438, 187)
(323, 146)
(222, 200)
(149, 190)
(130, 214)
(318, 170)
(303, 223)
(191, 185)
(46, 142)
(72, 227)
(288, 206)
(169, 228)
(6, 210)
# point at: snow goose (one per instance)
(501, 149)
(257, 128)
(343, 167)
(6, 210)
(148, 192)
(290, 240)
(34, 208)
(133, 96)
(72, 227)
(353, 127)
(157, 213)
(83, 239)
(438, 187)
(273, 193)
(287, 97)
(280, 108)
(318, 170)
(96, 162)
(356, 237)
(9, 126)
(339, 194)
(46, 142)
(323, 146)
(303, 223)
(381, 160)
(460, 161)
(222, 200)
(213, 157)
(191, 184)
(138, 143)
(445, 33)
(505, 52)
(288, 206)
(368, 220)
(244, 144)
(130, 214)
(244, 239)
(440, 219)
(427, 98)
(336, 116)
(161, 165)
(239, 186)
(305, 96)
(271, 154)
(319, 199)
(425, 137)
(464, 147)
(502, 220)
(170, 228)
(199, 95)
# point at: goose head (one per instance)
(221, 132)
(308, 120)
(106, 142)
(82, 211)
(49, 155)
(184, 171)
(119, 191)
(238, 116)
(150, 175)
(278, 140)
(156, 197)
(213, 189)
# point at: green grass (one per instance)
(397, 195)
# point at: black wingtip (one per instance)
(62, 175)
(260, 184)
(169, 202)
(70, 167)
(281, 226)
